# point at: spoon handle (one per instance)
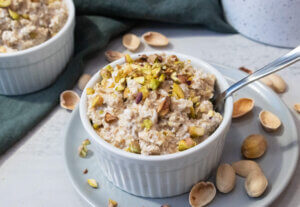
(278, 64)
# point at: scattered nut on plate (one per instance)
(93, 183)
(244, 167)
(275, 82)
(113, 55)
(131, 41)
(242, 107)
(225, 179)
(69, 99)
(112, 203)
(269, 121)
(246, 70)
(256, 183)
(254, 146)
(297, 107)
(202, 194)
(278, 84)
(155, 39)
(83, 81)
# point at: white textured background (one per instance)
(32, 172)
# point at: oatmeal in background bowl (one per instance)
(153, 105)
(27, 23)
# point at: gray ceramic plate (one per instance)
(278, 163)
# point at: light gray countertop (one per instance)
(32, 173)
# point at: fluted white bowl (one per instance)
(35, 68)
(162, 175)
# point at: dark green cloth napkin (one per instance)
(19, 114)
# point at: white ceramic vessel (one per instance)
(274, 22)
(164, 175)
(35, 68)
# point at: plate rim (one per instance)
(269, 200)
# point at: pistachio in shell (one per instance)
(269, 121)
(69, 99)
(202, 194)
(244, 167)
(164, 107)
(254, 146)
(256, 183)
(278, 84)
(131, 41)
(242, 107)
(113, 55)
(155, 39)
(225, 179)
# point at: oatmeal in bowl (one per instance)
(26, 23)
(36, 43)
(153, 105)
(151, 123)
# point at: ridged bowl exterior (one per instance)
(162, 175)
(165, 179)
(37, 67)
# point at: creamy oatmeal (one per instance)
(153, 105)
(26, 23)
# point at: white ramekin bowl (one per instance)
(163, 175)
(35, 68)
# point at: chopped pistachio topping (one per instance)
(162, 78)
(13, 15)
(177, 91)
(128, 59)
(101, 112)
(82, 150)
(147, 124)
(96, 126)
(134, 147)
(144, 91)
(154, 84)
(93, 183)
(185, 144)
(140, 80)
(5, 3)
(97, 101)
(196, 131)
(174, 77)
(90, 91)
(120, 87)
(192, 113)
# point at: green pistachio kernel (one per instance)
(128, 59)
(154, 84)
(177, 91)
(196, 131)
(13, 15)
(185, 144)
(140, 80)
(162, 78)
(134, 147)
(5, 3)
(147, 124)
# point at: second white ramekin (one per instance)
(35, 68)
(163, 175)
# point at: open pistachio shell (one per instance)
(69, 99)
(202, 194)
(113, 55)
(131, 41)
(155, 39)
(244, 167)
(83, 81)
(225, 179)
(242, 107)
(256, 183)
(254, 146)
(297, 107)
(269, 121)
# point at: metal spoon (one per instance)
(278, 64)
